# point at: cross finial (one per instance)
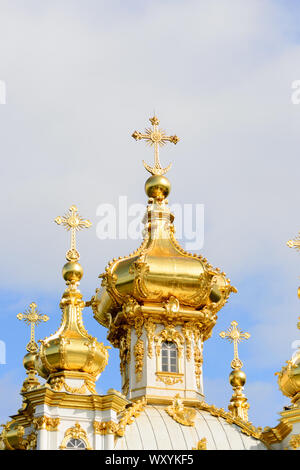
(74, 222)
(156, 137)
(235, 336)
(32, 317)
(294, 243)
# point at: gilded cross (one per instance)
(294, 243)
(235, 336)
(73, 222)
(32, 317)
(156, 137)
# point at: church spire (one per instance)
(31, 317)
(238, 403)
(160, 303)
(71, 352)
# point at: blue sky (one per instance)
(80, 77)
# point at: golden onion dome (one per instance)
(160, 268)
(71, 348)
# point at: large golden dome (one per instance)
(160, 268)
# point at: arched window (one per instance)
(75, 444)
(169, 361)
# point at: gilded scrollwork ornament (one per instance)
(129, 414)
(294, 442)
(105, 427)
(46, 422)
(201, 445)
(150, 327)
(188, 335)
(75, 432)
(180, 413)
(198, 360)
(139, 352)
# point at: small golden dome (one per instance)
(237, 378)
(71, 348)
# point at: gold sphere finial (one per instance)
(157, 187)
(72, 272)
(237, 378)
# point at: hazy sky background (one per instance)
(80, 77)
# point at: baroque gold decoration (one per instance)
(129, 414)
(75, 432)
(45, 422)
(201, 445)
(198, 360)
(57, 383)
(150, 330)
(245, 426)
(188, 335)
(295, 441)
(180, 413)
(238, 403)
(156, 137)
(73, 222)
(169, 334)
(139, 351)
(13, 437)
(169, 378)
(124, 345)
(106, 427)
(172, 308)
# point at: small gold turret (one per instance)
(71, 351)
(237, 378)
(31, 317)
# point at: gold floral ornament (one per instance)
(73, 222)
(295, 441)
(155, 137)
(75, 432)
(238, 404)
(32, 317)
(201, 445)
(181, 414)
